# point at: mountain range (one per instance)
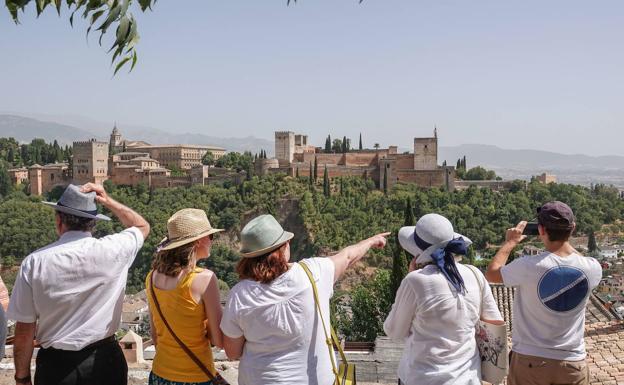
(24, 129)
(510, 164)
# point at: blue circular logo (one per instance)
(563, 288)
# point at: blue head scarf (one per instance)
(444, 260)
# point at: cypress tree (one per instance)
(344, 144)
(408, 220)
(315, 168)
(360, 147)
(399, 269)
(328, 145)
(249, 171)
(385, 182)
(310, 178)
(592, 246)
(326, 190)
(464, 162)
(458, 166)
(297, 173)
(5, 181)
(11, 155)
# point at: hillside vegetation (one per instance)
(324, 220)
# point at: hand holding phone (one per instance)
(531, 229)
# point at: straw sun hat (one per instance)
(186, 226)
(262, 235)
(432, 232)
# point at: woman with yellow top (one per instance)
(185, 309)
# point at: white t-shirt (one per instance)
(74, 287)
(438, 327)
(285, 343)
(549, 303)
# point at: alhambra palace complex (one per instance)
(123, 162)
(126, 162)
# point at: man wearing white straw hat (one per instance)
(71, 292)
(437, 307)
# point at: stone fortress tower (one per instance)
(284, 147)
(90, 162)
(426, 152)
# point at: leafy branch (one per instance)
(101, 16)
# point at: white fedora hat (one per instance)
(432, 231)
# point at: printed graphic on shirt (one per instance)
(563, 288)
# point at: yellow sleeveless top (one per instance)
(187, 318)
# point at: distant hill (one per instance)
(522, 164)
(492, 156)
(26, 129)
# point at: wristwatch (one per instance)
(22, 380)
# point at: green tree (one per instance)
(369, 305)
(399, 269)
(592, 246)
(360, 146)
(5, 181)
(326, 186)
(385, 182)
(479, 173)
(208, 159)
(328, 145)
(315, 168)
(337, 146)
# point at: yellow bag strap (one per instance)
(333, 341)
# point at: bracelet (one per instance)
(22, 380)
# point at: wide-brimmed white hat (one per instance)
(432, 231)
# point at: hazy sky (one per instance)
(532, 74)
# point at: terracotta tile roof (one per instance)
(604, 342)
(604, 337)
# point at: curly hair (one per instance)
(264, 268)
(171, 262)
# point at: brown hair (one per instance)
(171, 262)
(76, 223)
(264, 268)
(558, 235)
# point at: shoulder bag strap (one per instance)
(188, 351)
(333, 340)
(472, 269)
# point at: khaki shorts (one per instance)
(531, 370)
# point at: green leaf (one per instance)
(113, 14)
(121, 64)
(134, 60)
(145, 4)
(122, 30)
(58, 6)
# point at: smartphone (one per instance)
(531, 229)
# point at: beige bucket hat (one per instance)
(262, 235)
(186, 226)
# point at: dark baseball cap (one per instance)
(556, 215)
